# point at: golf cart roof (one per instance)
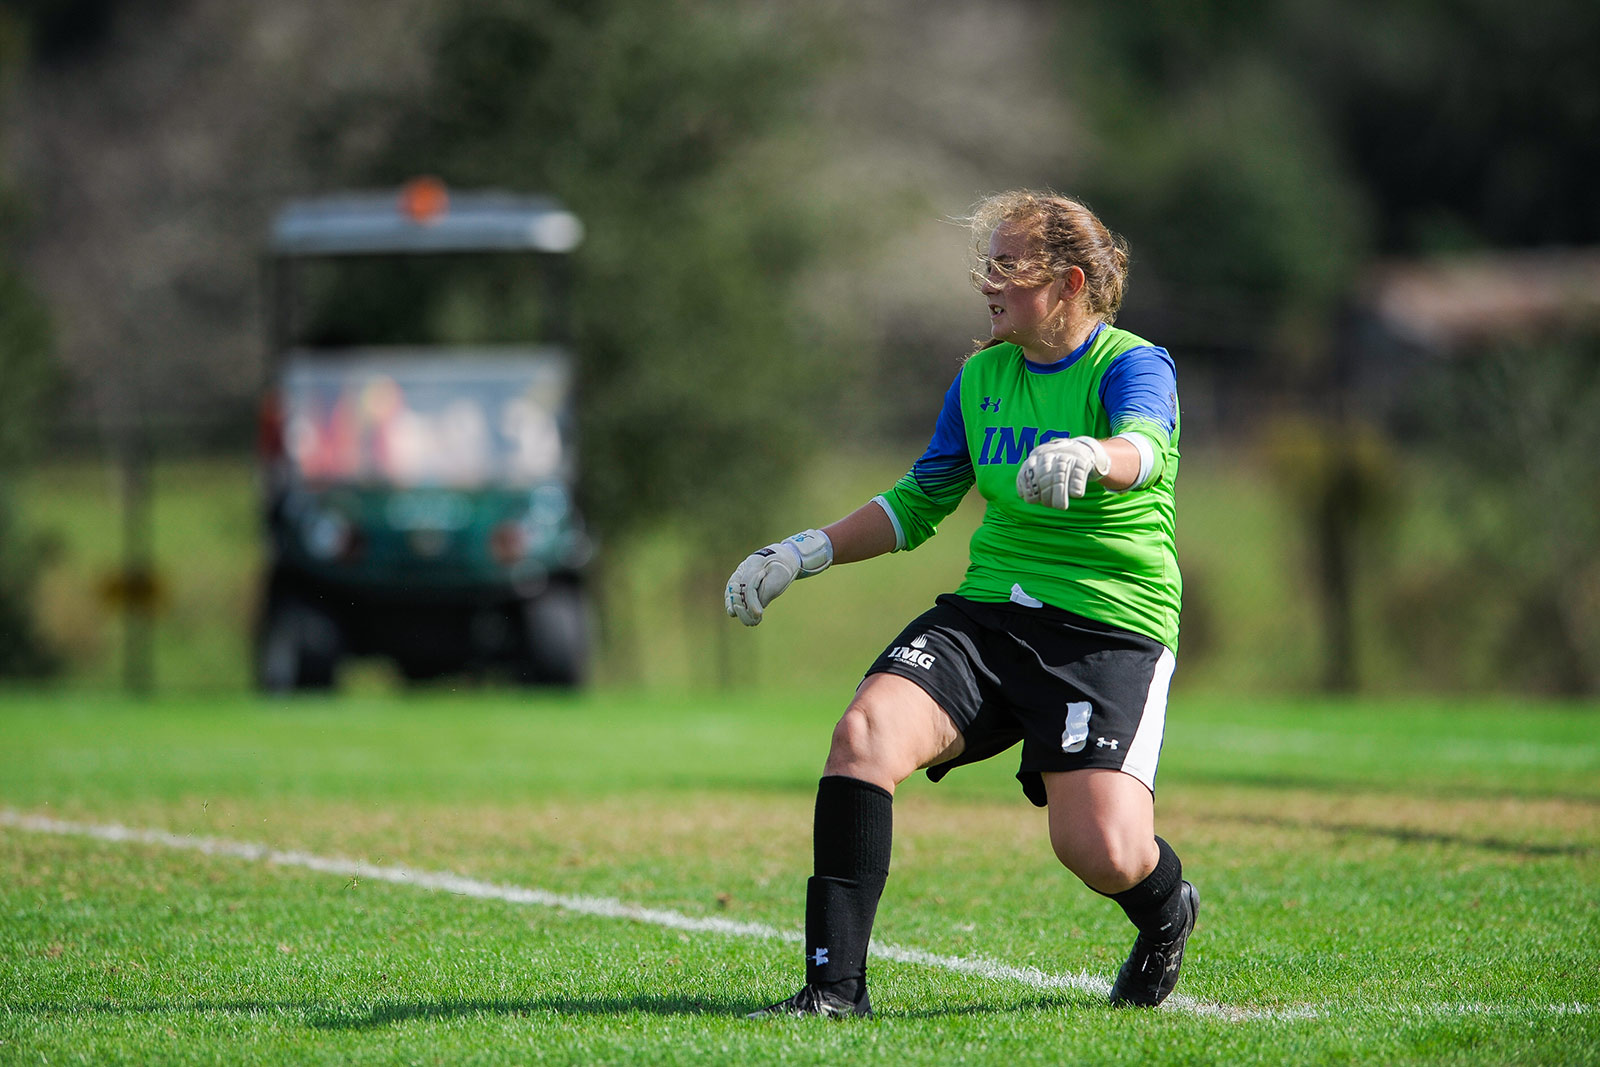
(423, 217)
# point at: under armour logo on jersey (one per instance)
(990, 404)
(819, 957)
(1101, 742)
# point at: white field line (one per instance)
(609, 908)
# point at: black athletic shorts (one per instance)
(1077, 693)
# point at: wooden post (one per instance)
(138, 573)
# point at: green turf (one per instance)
(1383, 883)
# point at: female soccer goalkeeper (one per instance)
(1062, 634)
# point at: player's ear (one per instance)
(1072, 283)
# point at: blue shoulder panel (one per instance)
(1142, 382)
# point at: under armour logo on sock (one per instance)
(819, 957)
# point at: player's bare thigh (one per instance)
(1102, 826)
(891, 729)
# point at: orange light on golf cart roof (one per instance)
(424, 199)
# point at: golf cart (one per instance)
(417, 441)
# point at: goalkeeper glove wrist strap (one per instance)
(816, 551)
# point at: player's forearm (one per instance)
(867, 532)
(1125, 464)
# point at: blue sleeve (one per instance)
(1141, 385)
(936, 482)
(946, 461)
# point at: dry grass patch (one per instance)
(699, 851)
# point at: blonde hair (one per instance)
(1064, 233)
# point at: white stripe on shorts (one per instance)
(1144, 752)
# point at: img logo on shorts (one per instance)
(913, 653)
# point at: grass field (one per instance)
(1383, 883)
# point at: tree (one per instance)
(672, 129)
(659, 124)
(26, 380)
(1515, 428)
(1260, 151)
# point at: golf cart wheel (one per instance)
(298, 647)
(555, 638)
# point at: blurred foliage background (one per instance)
(1369, 233)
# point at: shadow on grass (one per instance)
(322, 1017)
(1410, 836)
(385, 1014)
(1063, 1004)
(1413, 787)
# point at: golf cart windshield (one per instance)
(394, 417)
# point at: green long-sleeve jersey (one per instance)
(1110, 556)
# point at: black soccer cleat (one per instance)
(814, 1000)
(1151, 970)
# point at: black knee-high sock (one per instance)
(1154, 905)
(851, 840)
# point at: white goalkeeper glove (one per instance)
(764, 574)
(1059, 470)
